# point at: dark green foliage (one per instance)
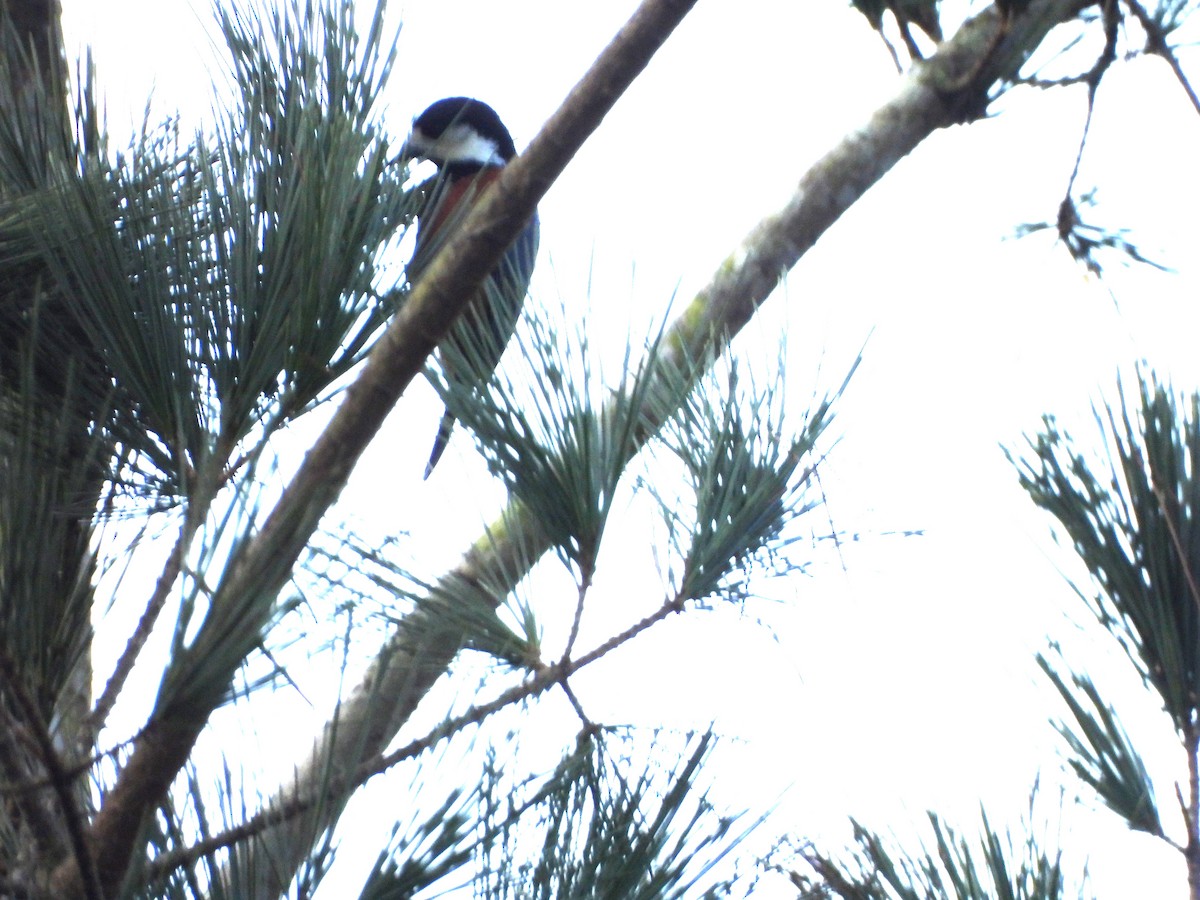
(952, 866)
(605, 823)
(52, 469)
(227, 283)
(613, 825)
(748, 480)
(562, 452)
(420, 857)
(164, 309)
(1102, 755)
(56, 451)
(1136, 528)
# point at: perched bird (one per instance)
(921, 13)
(470, 145)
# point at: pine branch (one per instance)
(23, 791)
(935, 96)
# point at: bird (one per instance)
(466, 139)
(921, 13)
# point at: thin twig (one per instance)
(15, 761)
(585, 582)
(1176, 542)
(1092, 80)
(141, 634)
(1191, 810)
(72, 771)
(588, 725)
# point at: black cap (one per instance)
(466, 111)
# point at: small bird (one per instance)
(921, 13)
(469, 144)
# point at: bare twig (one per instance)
(1092, 79)
(584, 584)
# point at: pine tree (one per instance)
(173, 309)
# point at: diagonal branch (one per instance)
(196, 510)
(260, 571)
(991, 51)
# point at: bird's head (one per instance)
(459, 133)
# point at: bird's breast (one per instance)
(453, 199)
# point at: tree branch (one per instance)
(31, 817)
(1191, 810)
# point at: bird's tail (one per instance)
(439, 444)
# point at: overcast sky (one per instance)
(898, 675)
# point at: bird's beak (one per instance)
(406, 155)
(416, 147)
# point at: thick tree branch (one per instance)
(986, 51)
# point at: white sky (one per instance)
(899, 676)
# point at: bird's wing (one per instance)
(478, 339)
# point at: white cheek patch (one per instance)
(461, 143)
